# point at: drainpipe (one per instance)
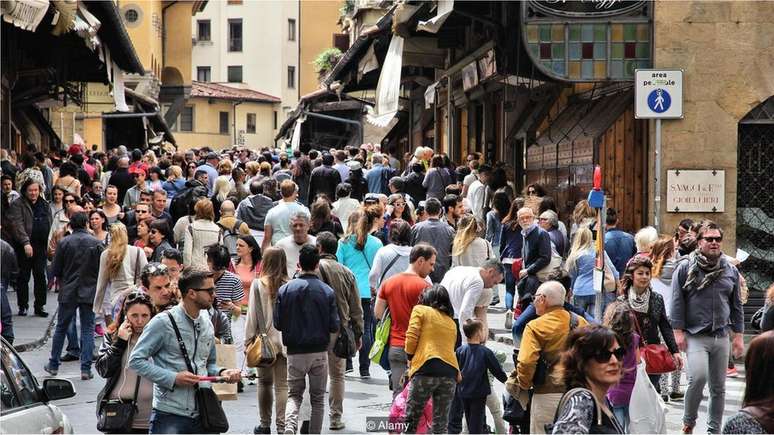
(233, 121)
(357, 124)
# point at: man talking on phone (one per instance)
(160, 358)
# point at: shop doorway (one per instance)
(755, 201)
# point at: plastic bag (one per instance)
(647, 411)
(398, 412)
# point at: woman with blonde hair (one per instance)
(468, 248)
(225, 167)
(582, 216)
(263, 294)
(175, 181)
(150, 158)
(220, 190)
(119, 270)
(580, 268)
(202, 232)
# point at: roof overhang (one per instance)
(114, 35)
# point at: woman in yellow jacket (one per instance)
(433, 369)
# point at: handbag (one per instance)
(610, 283)
(261, 352)
(344, 346)
(657, 358)
(116, 415)
(381, 337)
(211, 415)
(553, 270)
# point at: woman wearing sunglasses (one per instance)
(122, 383)
(591, 364)
(648, 310)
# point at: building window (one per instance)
(235, 35)
(187, 119)
(291, 77)
(341, 41)
(291, 30)
(251, 123)
(235, 74)
(131, 15)
(275, 119)
(203, 30)
(223, 122)
(203, 73)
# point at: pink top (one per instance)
(247, 275)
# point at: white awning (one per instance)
(25, 14)
(388, 88)
(445, 8)
(430, 95)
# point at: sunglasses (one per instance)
(155, 269)
(210, 290)
(154, 231)
(603, 356)
(69, 201)
(136, 296)
(713, 239)
(141, 211)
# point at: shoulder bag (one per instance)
(544, 366)
(262, 351)
(657, 358)
(117, 415)
(211, 415)
(344, 346)
(381, 337)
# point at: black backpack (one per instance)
(185, 199)
(230, 237)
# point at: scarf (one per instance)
(639, 302)
(697, 261)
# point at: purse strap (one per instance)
(136, 389)
(633, 315)
(387, 269)
(261, 319)
(181, 343)
(136, 266)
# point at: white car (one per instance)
(25, 405)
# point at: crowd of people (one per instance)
(163, 254)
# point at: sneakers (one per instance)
(99, 331)
(50, 371)
(261, 430)
(85, 376)
(676, 395)
(509, 320)
(665, 398)
(41, 313)
(22, 311)
(336, 425)
(495, 301)
(365, 374)
(731, 372)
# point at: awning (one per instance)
(26, 14)
(148, 105)
(113, 34)
(445, 8)
(388, 89)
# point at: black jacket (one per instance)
(109, 365)
(536, 251)
(123, 180)
(21, 217)
(324, 179)
(74, 261)
(653, 322)
(306, 313)
(359, 186)
(253, 210)
(414, 186)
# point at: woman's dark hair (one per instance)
(155, 170)
(618, 317)
(501, 204)
(581, 346)
(134, 298)
(498, 179)
(162, 226)
(436, 161)
(104, 218)
(68, 168)
(540, 191)
(628, 276)
(438, 298)
(757, 364)
(219, 256)
(303, 167)
(321, 214)
(400, 232)
(511, 220)
(547, 203)
(255, 254)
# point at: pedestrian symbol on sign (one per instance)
(659, 100)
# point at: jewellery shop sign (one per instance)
(696, 191)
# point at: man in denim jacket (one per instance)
(174, 404)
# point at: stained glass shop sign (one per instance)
(587, 41)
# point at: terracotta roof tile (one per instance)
(221, 91)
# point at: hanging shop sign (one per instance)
(658, 94)
(469, 76)
(487, 65)
(585, 9)
(696, 190)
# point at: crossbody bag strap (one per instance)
(136, 266)
(261, 319)
(387, 269)
(181, 343)
(136, 389)
(637, 327)
(364, 256)
(326, 280)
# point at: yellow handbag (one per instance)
(261, 352)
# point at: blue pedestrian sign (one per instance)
(658, 94)
(659, 100)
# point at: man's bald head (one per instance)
(123, 162)
(227, 208)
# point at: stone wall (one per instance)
(727, 52)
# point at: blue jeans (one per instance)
(510, 287)
(607, 299)
(586, 303)
(73, 346)
(622, 415)
(369, 325)
(65, 317)
(163, 422)
(7, 315)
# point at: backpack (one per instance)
(230, 237)
(182, 202)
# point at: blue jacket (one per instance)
(582, 273)
(474, 361)
(620, 247)
(536, 251)
(306, 313)
(530, 314)
(378, 177)
(172, 187)
(359, 262)
(511, 242)
(158, 343)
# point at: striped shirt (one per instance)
(229, 288)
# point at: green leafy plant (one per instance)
(325, 61)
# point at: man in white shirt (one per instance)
(299, 224)
(477, 192)
(465, 285)
(277, 224)
(344, 205)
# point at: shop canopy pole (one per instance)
(657, 194)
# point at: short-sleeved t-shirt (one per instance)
(229, 288)
(401, 293)
(279, 216)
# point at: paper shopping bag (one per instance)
(226, 358)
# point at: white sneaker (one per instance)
(508, 319)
